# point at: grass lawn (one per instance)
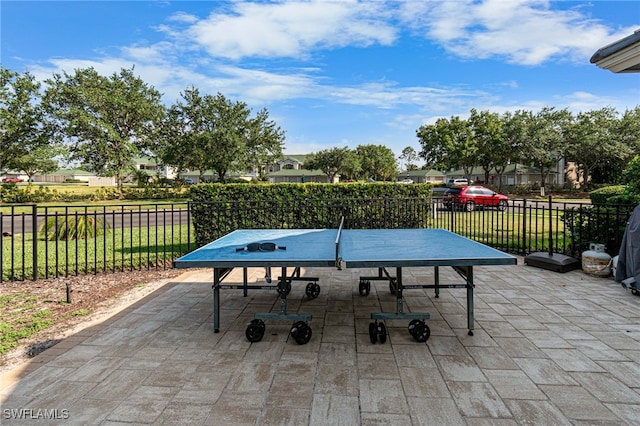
(117, 250)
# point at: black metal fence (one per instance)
(528, 226)
(54, 241)
(41, 242)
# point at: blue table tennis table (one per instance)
(343, 248)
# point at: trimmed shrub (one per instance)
(218, 209)
(602, 195)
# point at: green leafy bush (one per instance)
(218, 209)
(105, 193)
(625, 198)
(152, 193)
(603, 224)
(631, 176)
(12, 193)
(602, 195)
(76, 227)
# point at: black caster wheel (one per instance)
(255, 330)
(373, 332)
(284, 287)
(377, 332)
(301, 332)
(420, 331)
(312, 290)
(412, 325)
(382, 333)
(393, 286)
(364, 288)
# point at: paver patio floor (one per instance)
(548, 349)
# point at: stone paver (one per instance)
(548, 348)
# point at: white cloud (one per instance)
(291, 29)
(183, 17)
(525, 32)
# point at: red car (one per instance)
(472, 197)
(11, 180)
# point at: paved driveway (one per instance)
(548, 349)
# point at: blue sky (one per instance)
(339, 73)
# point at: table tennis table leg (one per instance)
(436, 276)
(399, 289)
(216, 299)
(300, 331)
(417, 327)
(245, 282)
(283, 294)
(470, 301)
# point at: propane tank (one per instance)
(595, 261)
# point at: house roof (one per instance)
(622, 56)
(297, 172)
(422, 172)
(300, 158)
(146, 160)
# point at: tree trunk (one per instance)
(119, 186)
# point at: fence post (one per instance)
(188, 226)
(34, 237)
(1, 248)
(524, 226)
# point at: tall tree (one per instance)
(229, 134)
(629, 130)
(108, 120)
(489, 138)
(40, 160)
(543, 139)
(449, 142)
(330, 161)
(377, 162)
(351, 166)
(510, 149)
(205, 132)
(432, 142)
(631, 176)
(409, 156)
(23, 123)
(593, 141)
(264, 144)
(177, 137)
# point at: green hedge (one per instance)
(296, 191)
(602, 195)
(218, 209)
(12, 193)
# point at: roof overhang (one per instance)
(622, 56)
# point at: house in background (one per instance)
(514, 174)
(298, 176)
(423, 176)
(75, 175)
(153, 169)
(15, 174)
(289, 162)
(291, 169)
